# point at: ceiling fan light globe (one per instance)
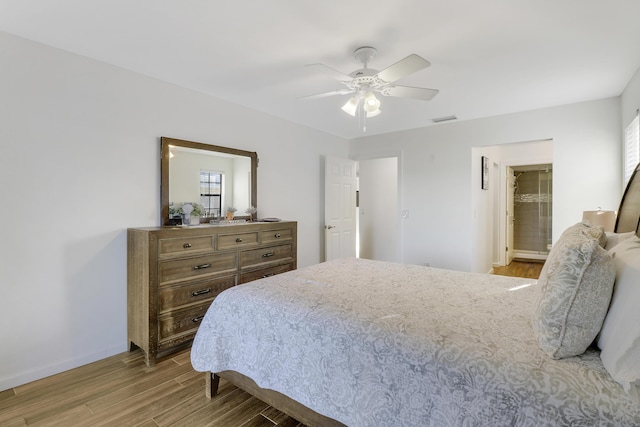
(351, 106)
(371, 103)
(373, 113)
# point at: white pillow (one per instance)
(615, 238)
(619, 339)
(575, 289)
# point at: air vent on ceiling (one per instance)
(444, 119)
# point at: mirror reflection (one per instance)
(216, 181)
(213, 179)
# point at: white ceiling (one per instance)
(488, 57)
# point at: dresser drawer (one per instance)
(264, 272)
(173, 271)
(185, 246)
(237, 240)
(264, 255)
(173, 297)
(273, 236)
(181, 321)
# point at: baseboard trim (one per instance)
(56, 368)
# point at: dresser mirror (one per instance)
(215, 177)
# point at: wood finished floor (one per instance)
(122, 391)
(526, 269)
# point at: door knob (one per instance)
(329, 227)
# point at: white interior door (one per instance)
(340, 208)
(511, 188)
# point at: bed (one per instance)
(367, 343)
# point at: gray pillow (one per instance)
(575, 288)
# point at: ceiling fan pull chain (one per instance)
(364, 119)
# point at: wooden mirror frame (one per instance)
(165, 142)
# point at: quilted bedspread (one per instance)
(370, 343)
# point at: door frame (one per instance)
(503, 200)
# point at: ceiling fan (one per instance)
(366, 82)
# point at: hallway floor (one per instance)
(521, 268)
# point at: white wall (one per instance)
(482, 205)
(80, 163)
(241, 185)
(492, 203)
(630, 100)
(441, 176)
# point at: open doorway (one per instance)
(378, 209)
(507, 157)
(530, 191)
(362, 208)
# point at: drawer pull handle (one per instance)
(277, 235)
(269, 275)
(201, 266)
(201, 292)
(238, 240)
(186, 245)
(270, 254)
(197, 319)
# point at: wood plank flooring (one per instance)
(521, 268)
(122, 391)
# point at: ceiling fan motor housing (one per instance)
(365, 54)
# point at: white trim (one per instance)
(56, 368)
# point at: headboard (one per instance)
(629, 210)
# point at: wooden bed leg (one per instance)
(212, 382)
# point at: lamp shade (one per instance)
(351, 106)
(607, 219)
(373, 113)
(371, 104)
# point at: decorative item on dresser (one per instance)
(174, 273)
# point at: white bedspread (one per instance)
(380, 344)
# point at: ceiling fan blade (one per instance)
(421, 93)
(402, 68)
(332, 72)
(332, 93)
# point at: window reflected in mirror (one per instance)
(211, 195)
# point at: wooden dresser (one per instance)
(174, 273)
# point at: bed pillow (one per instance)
(615, 238)
(597, 232)
(575, 287)
(619, 339)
